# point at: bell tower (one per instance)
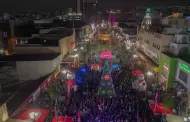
(147, 21)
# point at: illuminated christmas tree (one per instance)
(106, 87)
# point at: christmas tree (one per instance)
(106, 87)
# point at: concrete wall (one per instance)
(31, 70)
(64, 45)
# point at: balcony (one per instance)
(179, 49)
(180, 44)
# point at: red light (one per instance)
(106, 77)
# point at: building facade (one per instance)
(167, 70)
(34, 69)
(89, 7)
(152, 43)
(183, 76)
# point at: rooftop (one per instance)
(29, 57)
(21, 92)
(64, 31)
(70, 23)
(42, 42)
(169, 54)
(123, 25)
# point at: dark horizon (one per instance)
(48, 6)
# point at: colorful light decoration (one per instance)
(95, 67)
(106, 55)
(106, 77)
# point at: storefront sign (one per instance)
(184, 67)
(36, 94)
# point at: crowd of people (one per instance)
(126, 105)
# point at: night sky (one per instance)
(51, 5)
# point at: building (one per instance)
(167, 70)
(89, 7)
(54, 41)
(33, 66)
(173, 61)
(129, 31)
(152, 43)
(155, 36)
(177, 20)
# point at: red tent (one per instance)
(160, 109)
(34, 114)
(63, 119)
(137, 72)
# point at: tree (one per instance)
(168, 102)
(54, 94)
(53, 90)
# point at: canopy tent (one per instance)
(106, 55)
(95, 67)
(37, 115)
(63, 119)
(137, 72)
(159, 109)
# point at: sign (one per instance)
(184, 67)
(4, 112)
(148, 10)
(72, 43)
(36, 94)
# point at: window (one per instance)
(184, 40)
(183, 76)
(156, 46)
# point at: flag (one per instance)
(78, 115)
(156, 98)
(155, 101)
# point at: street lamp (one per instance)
(75, 49)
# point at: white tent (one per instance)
(174, 118)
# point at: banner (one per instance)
(36, 94)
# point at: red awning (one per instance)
(137, 72)
(63, 119)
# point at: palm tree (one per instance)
(54, 94)
(168, 102)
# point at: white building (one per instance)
(176, 20)
(155, 39)
(32, 67)
(180, 45)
